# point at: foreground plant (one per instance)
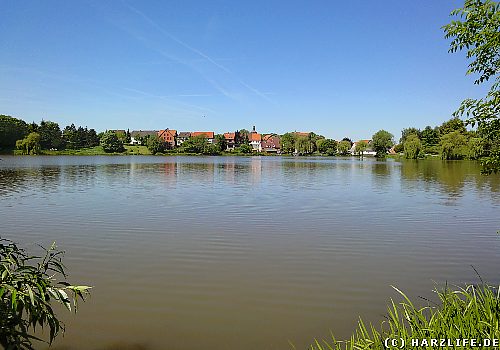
(470, 312)
(29, 286)
(478, 32)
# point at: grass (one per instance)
(470, 312)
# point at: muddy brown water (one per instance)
(248, 252)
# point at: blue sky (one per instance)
(338, 68)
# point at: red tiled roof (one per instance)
(271, 141)
(229, 135)
(253, 136)
(168, 131)
(207, 134)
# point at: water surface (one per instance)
(248, 253)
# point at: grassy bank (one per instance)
(471, 312)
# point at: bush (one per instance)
(28, 287)
(156, 145)
(110, 143)
(245, 149)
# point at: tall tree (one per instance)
(343, 147)
(382, 141)
(454, 124)
(412, 146)
(50, 135)
(430, 136)
(288, 143)
(11, 130)
(477, 31)
(327, 146)
(220, 142)
(407, 132)
(453, 146)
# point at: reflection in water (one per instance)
(451, 178)
(247, 252)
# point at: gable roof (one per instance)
(184, 134)
(142, 133)
(171, 132)
(229, 135)
(207, 134)
(253, 136)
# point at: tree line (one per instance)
(31, 138)
(451, 140)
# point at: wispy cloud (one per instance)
(168, 98)
(199, 53)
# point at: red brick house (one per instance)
(168, 136)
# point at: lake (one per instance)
(248, 252)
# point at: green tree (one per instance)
(30, 144)
(11, 130)
(220, 141)
(244, 148)
(326, 146)
(475, 147)
(92, 138)
(128, 137)
(399, 148)
(382, 141)
(430, 139)
(343, 147)
(412, 147)
(453, 146)
(196, 144)
(360, 148)
(211, 150)
(156, 144)
(288, 143)
(313, 138)
(477, 31)
(29, 286)
(111, 143)
(50, 135)
(454, 124)
(407, 132)
(348, 140)
(241, 137)
(303, 145)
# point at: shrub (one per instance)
(110, 143)
(28, 287)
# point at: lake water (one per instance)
(248, 253)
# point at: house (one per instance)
(182, 136)
(209, 135)
(230, 138)
(136, 136)
(169, 136)
(255, 140)
(271, 143)
(367, 152)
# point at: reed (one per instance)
(469, 312)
